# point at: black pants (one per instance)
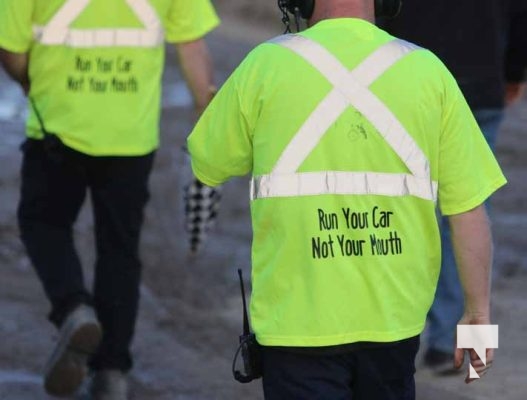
(54, 187)
(375, 373)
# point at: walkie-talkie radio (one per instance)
(53, 146)
(249, 348)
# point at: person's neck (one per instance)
(324, 10)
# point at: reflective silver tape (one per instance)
(342, 183)
(350, 88)
(58, 31)
(309, 135)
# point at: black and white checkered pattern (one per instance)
(201, 209)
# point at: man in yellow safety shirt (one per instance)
(92, 71)
(352, 136)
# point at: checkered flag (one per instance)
(201, 209)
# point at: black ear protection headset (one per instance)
(304, 8)
(301, 8)
(388, 8)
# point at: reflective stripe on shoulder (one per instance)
(58, 31)
(350, 88)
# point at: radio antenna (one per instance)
(246, 330)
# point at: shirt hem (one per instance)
(323, 341)
(476, 200)
(202, 177)
(194, 35)
(13, 49)
(107, 152)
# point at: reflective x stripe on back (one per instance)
(350, 88)
(58, 31)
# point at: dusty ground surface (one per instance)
(190, 312)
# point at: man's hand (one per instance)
(474, 360)
(513, 92)
(16, 65)
(473, 249)
(196, 65)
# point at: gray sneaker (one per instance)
(79, 337)
(109, 384)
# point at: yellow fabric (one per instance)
(335, 269)
(102, 100)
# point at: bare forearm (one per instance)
(16, 65)
(196, 64)
(473, 249)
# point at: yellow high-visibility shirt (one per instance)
(95, 66)
(346, 175)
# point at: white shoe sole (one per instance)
(66, 367)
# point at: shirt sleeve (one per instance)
(221, 143)
(190, 20)
(16, 26)
(468, 170)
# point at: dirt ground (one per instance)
(191, 310)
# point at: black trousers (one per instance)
(54, 187)
(370, 373)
